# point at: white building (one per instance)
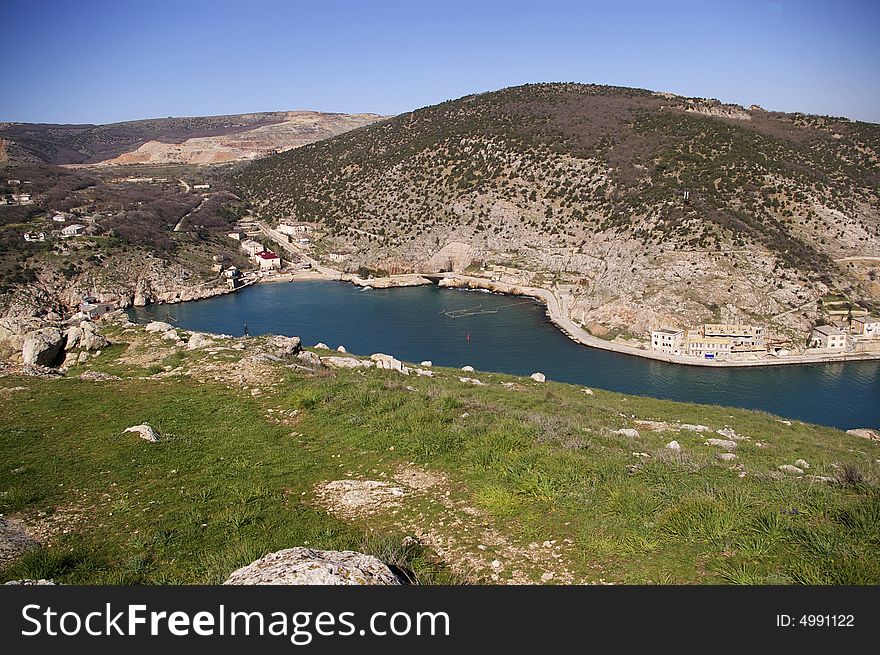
(73, 230)
(826, 336)
(268, 261)
(251, 247)
(867, 327)
(699, 345)
(667, 340)
(292, 229)
(201, 186)
(34, 236)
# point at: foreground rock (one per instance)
(865, 433)
(158, 326)
(145, 431)
(41, 581)
(41, 347)
(304, 566)
(538, 377)
(283, 346)
(84, 336)
(346, 362)
(14, 540)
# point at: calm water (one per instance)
(519, 339)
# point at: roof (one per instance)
(267, 254)
(828, 330)
(867, 319)
(669, 331)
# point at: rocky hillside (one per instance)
(638, 207)
(192, 140)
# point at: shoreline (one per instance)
(553, 307)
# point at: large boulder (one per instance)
(13, 330)
(198, 340)
(389, 363)
(158, 326)
(304, 566)
(283, 346)
(309, 358)
(346, 362)
(42, 347)
(84, 336)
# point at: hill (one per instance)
(190, 140)
(638, 208)
(506, 481)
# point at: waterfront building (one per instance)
(828, 337)
(667, 340)
(252, 247)
(268, 261)
(699, 345)
(741, 334)
(867, 327)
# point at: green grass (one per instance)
(226, 485)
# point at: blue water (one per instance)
(409, 324)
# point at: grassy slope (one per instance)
(229, 483)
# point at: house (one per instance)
(867, 327)
(337, 256)
(59, 218)
(34, 236)
(740, 334)
(22, 198)
(268, 261)
(829, 337)
(94, 309)
(699, 345)
(667, 340)
(251, 247)
(292, 229)
(201, 186)
(73, 230)
(238, 236)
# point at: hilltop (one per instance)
(188, 140)
(637, 208)
(453, 476)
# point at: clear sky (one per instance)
(100, 61)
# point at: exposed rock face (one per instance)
(42, 347)
(84, 336)
(538, 377)
(145, 431)
(303, 566)
(283, 346)
(14, 329)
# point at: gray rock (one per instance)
(801, 464)
(321, 346)
(695, 428)
(389, 363)
(729, 433)
(722, 443)
(538, 377)
(145, 431)
(304, 566)
(725, 457)
(97, 376)
(427, 363)
(346, 362)
(673, 445)
(588, 391)
(14, 540)
(424, 372)
(309, 358)
(791, 470)
(469, 369)
(42, 347)
(283, 346)
(171, 335)
(628, 432)
(865, 433)
(341, 349)
(41, 581)
(198, 340)
(82, 358)
(471, 381)
(158, 326)
(13, 330)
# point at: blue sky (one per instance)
(99, 61)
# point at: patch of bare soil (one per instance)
(420, 502)
(14, 540)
